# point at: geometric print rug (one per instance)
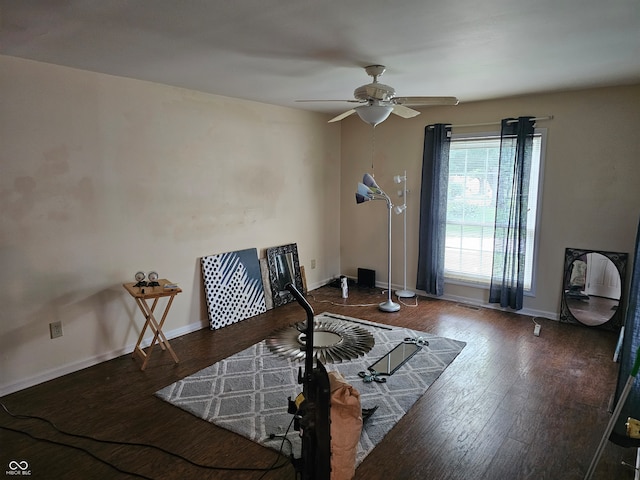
(247, 393)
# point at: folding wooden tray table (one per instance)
(147, 299)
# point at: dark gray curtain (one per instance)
(630, 346)
(433, 208)
(509, 247)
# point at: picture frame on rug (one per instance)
(284, 268)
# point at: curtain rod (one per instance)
(488, 124)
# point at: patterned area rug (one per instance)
(247, 392)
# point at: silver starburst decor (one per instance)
(333, 341)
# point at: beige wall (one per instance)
(591, 197)
(103, 176)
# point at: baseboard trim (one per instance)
(473, 302)
(89, 362)
(457, 299)
(476, 303)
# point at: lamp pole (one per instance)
(369, 190)
(404, 293)
(389, 305)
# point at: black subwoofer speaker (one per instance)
(366, 278)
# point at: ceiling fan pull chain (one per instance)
(373, 149)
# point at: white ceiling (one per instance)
(277, 51)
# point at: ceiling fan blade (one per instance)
(341, 116)
(341, 100)
(425, 101)
(404, 112)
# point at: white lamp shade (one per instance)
(373, 114)
(364, 190)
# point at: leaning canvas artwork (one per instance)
(233, 287)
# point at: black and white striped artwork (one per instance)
(233, 287)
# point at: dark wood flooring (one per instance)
(511, 406)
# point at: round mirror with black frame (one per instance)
(593, 288)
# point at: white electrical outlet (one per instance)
(313, 263)
(55, 328)
(536, 330)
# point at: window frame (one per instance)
(542, 133)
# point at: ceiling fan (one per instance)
(379, 101)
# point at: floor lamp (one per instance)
(404, 293)
(369, 190)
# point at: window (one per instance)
(471, 204)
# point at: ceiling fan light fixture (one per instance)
(378, 101)
(374, 114)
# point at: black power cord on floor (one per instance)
(83, 450)
(274, 465)
(339, 304)
(284, 438)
